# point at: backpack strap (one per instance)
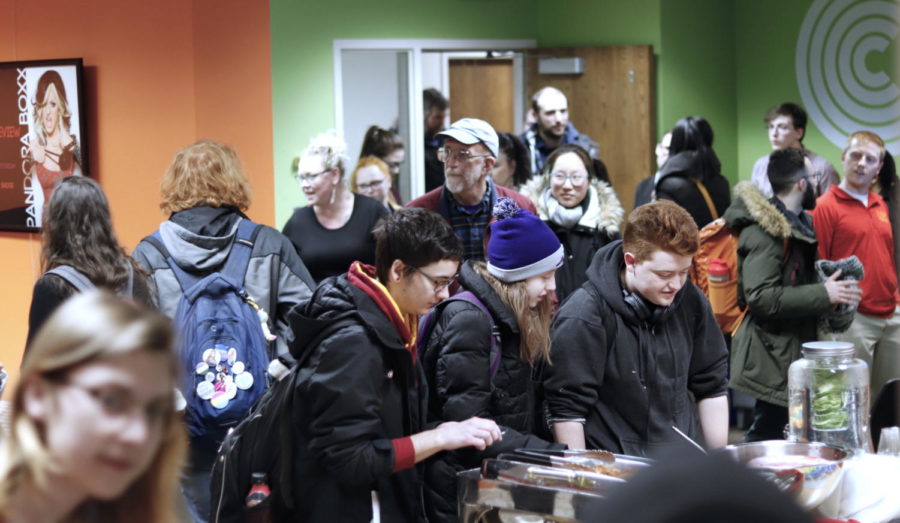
(128, 291)
(709, 202)
(239, 258)
(496, 353)
(427, 325)
(185, 280)
(73, 276)
(235, 266)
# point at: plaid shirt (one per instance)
(469, 225)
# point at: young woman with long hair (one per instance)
(489, 365)
(94, 436)
(78, 232)
(692, 175)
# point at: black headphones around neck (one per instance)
(643, 309)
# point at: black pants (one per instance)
(769, 421)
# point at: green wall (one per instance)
(697, 71)
(766, 39)
(302, 72)
(593, 22)
(726, 60)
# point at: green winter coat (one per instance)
(783, 295)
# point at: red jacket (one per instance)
(844, 226)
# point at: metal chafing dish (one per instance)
(541, 486)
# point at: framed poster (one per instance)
(42, 130)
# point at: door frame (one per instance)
(414, 49)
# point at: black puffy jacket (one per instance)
(675, 184)
(361, 390)
(457, 364)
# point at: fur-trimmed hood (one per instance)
(750, 206)
(604, 211)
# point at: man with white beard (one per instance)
(468, 195)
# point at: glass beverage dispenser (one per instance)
(828, 395)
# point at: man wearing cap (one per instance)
(468, 195)
(637, 345)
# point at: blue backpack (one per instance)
(220, 341)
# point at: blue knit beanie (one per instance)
(521, 245)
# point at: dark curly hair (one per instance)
(77, 231)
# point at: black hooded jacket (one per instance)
(361, 390)
(676, 184)
(630, 391)
(457, 363)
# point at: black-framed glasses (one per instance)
(577, 179)
(309, 178)
(438, 284)
(463, 155)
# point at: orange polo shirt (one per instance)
(844, 227)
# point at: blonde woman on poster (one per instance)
(54, 149)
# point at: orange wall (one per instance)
(158, 76)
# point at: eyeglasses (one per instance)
(309, 178)
(463, 155)
(369, 186)
(119, 403)
(439, 285)
(577, 179)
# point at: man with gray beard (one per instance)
(468, 195)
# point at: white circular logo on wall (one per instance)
(847, 68)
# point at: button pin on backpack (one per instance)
(244, 380)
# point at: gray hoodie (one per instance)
(199, 241)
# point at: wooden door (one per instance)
(483, 88)
(612, 102)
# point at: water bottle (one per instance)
(721, 293)
(258, 511)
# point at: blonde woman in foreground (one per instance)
(94, 437)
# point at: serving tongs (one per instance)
(590, 460)
(585, 461)
(523, 473)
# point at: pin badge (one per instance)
(205, 390)
(201, 368)
(238, 367)
(244, 380)
(219, 399)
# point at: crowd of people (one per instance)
(513, 305)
